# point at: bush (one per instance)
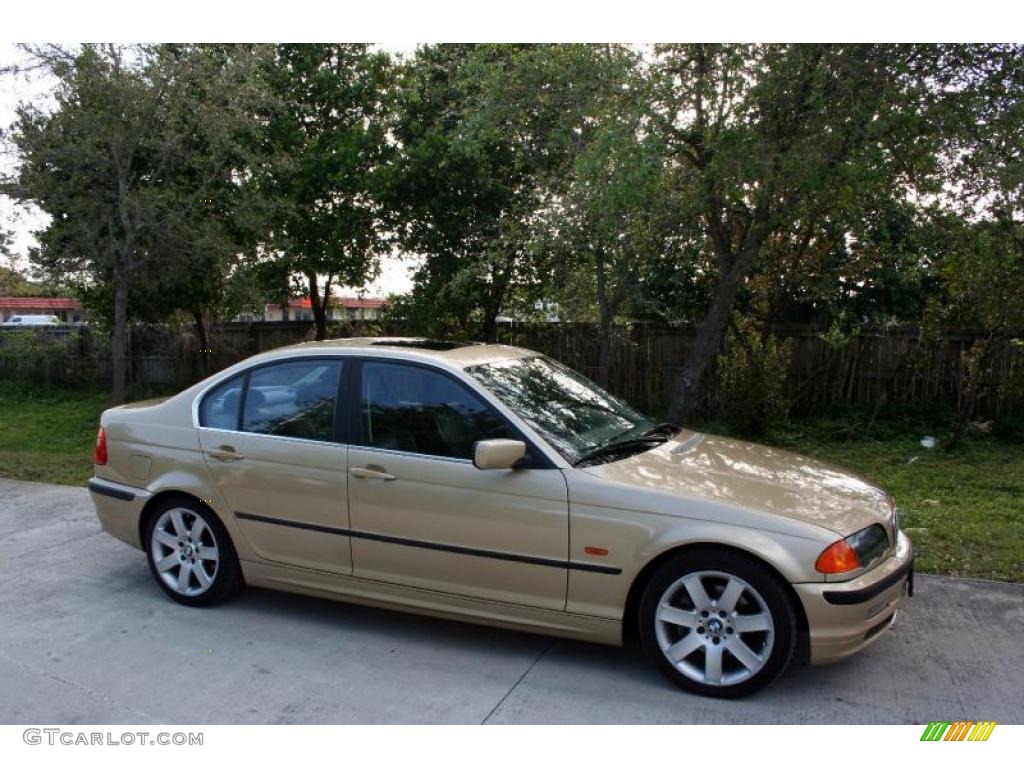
(751, 377)
(39, 357)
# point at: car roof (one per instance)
(458, 354)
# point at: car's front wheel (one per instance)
(717, 623)
(190, 553)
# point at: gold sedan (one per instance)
(491, 484)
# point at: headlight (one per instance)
(856, 551)
(869, 544)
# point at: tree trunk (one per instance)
(119, 341)
(605, 316)
(501, 274)
(122, 276)
(492, 308)
(204, 342)
(708, 337)
(491, 327)
(319, 308)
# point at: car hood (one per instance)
(752, 476)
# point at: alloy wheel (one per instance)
(185, 552)
(714, 627)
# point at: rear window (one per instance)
(295, 398)
(219, 409)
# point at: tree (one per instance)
(14, 283)
(322, 143)
(612, 216)
(981, 210)
(485, 131)
(141, 136)
(775, 142)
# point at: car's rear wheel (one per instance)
(718, 623)
(190, 553)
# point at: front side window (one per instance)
(416, 410)
(572, 412)
(294, 399)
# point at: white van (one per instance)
(22, 321)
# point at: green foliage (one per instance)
(982, 271)
(839, 333)
(751, 379)
(321, 146)
(39, 358)
(834, 184)
(609, 216)
(485, 132)
(14, 283)
(136, 166)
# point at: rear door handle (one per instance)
(371, 474)
(224, 453)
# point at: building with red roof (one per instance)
(340, 308)
(66, 310)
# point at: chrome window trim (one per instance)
(411, 454)
(287, 438)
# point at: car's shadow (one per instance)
(367, 658)
(628, 662)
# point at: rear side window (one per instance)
(416, 410)
(294, 399)
(219, 409)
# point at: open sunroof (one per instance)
(437, 345)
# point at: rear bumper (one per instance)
(119, 507)
(846, 617)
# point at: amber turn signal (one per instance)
(837, 558)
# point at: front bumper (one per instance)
(846, 617)
(119, 508)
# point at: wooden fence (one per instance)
(896, 365)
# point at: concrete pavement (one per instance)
(86, 636)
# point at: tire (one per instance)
(190, 553)
(717, 623)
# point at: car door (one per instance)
(424, 516)
(269, 440)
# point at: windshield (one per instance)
(572, 412)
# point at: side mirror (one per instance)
(498, 454)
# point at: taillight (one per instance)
(99, 454)
(837, 558)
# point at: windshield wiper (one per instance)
(665, 428)
(620, 446)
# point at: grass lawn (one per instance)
(49, 436)
(962, 506)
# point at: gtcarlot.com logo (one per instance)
(70, 738)
(958, 730)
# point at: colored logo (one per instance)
(960, 730)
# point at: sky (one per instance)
(395, 276)
(14, 90)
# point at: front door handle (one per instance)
(224, 453)
(371, 473)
